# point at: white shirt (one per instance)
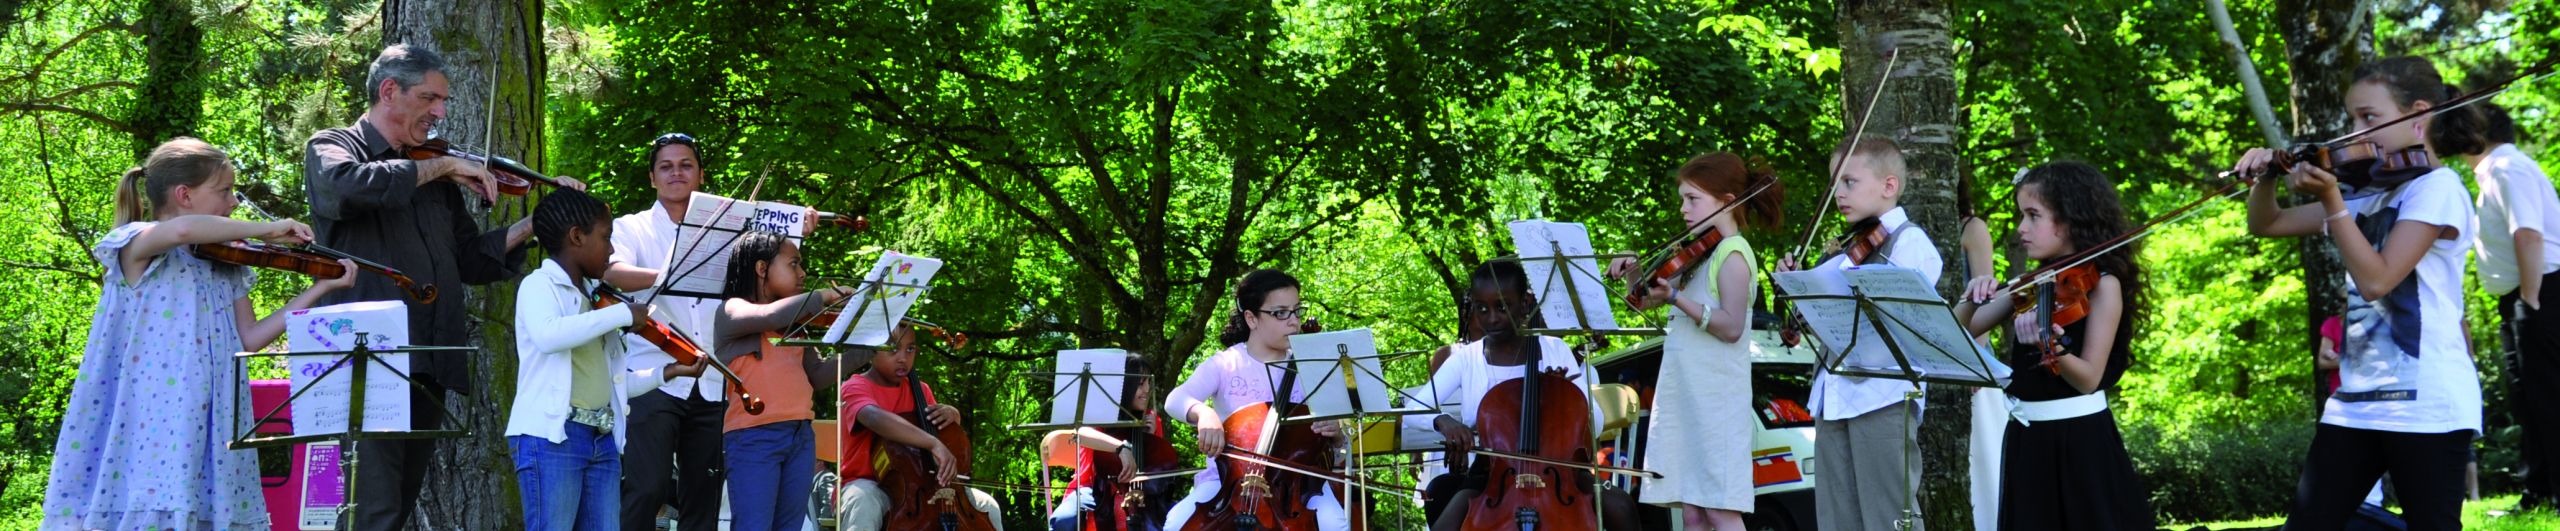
(567, 327)
(1464, 378)
(1229, 380)
(2435, 389)
(648, 239)
(2514, 195)
(1837, 397)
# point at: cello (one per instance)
(927, 503)
(1250, 494)
(1119, 505)
(1552, 426)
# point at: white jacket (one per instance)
(552, 318)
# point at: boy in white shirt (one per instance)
(1865, 431)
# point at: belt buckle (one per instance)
(600, 419)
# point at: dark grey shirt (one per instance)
(366, 201)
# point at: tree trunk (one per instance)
(2325, 40)
(170, 99)
(1918, 109)
(494, 60)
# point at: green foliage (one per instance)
(2235, 472)
(1099, 172)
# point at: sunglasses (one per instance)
(672, 138)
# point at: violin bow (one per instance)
(1892, 56)
(1266, 461)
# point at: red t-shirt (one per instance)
(855, 455)
(1089, 463)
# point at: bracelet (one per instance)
(2324, 223)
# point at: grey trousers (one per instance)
(1866, 468)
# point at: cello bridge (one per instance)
(1254, 485)
(1528, 481)
(941, 497)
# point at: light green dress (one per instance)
(1699, 434)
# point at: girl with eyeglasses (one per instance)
(1268, 311)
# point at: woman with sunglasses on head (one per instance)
(674, 455)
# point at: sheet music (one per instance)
(1538, 242)
(1833, 322)
(699, 264)
(1931, 338)
(892, 286)
(1100, 397)
(1322, 376)
(322, 408)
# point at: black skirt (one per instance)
(2071, 474)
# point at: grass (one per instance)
(2475, 517)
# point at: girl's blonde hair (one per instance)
(182, 161)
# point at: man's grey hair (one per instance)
(403, 64)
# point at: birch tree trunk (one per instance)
(1918, 108)
(2324, 40)
(494, 60)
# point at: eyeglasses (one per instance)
(672, 138)
(1284, 313)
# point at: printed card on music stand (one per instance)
(1099, 396)
(1329, 383)
(323, 409)
(699, 264)
(1563, 273)
(882, 299)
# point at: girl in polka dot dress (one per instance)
(144, 438)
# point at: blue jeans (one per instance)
(571, 485)
(770, 470)
(1071, 510)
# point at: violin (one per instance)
(926, 502)
(2356, 163)
(1682, 256)
(679, 346)
(1553, 426)
(2063, 301)
(1673, 262)
(313, 260)
(1865, 239)
(511, 177)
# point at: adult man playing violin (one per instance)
(370, 201)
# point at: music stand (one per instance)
(1570, 266)
(1892, 307)
(883, 294)
(362, 354)
(1076, 371)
